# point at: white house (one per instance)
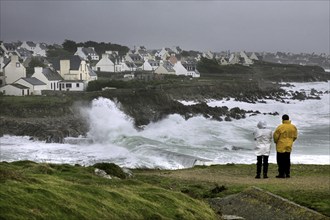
(74, 68)
(15, 89)
(223, 61)
(13, 70)
(34, 84)
(23, 53)
(165, 68)
(128, 66)
(234, 59)
(191, 67)
(29, 45)
(247, 60)
(180, 69)
(105, 64)
(253, 56)
(72, 85)
(135, 58)
(9, 47)
(164, 53)
(50, 77)
(87, 53)
(40, 49)
(208, 55)
(150, 65)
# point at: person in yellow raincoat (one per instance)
(284, 136)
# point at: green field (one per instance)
(46, 191)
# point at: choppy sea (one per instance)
(176, 143)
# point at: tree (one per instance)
(35, 62)
(57, 52)
(70, 46)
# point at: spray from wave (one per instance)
(175, 143)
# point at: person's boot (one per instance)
(265, 176)
(257, 176)
(280, 176)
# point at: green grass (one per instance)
(309, 185)
(47, 191)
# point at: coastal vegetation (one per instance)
(49, 191)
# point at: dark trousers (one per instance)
(283, 163)
(262, 161)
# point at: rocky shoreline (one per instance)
(53, 124)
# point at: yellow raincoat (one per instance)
(284, 136)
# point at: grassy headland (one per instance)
(46, 191)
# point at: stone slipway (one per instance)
(257, 204)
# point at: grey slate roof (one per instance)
(19, 86)
(89, 50)
(10, 46)
(75, 61)
(24, 52)
(33, 81)
(130, 64)
(6, 62)
(51, 75)
(168, 66)
(43, 46)
(91, 72)
(31, 44)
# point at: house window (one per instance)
(51, 86)
(68, 85)
(18, 64)
(77, 85)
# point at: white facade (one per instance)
(179, 69)
(52, 82)
(39, 50)
(105, 64)
(35, 88)
(72, 85)
(247, 60)
(28, 45)
(254, 56)
(85, 53)
(128, 66)
(15, 90)
(150, 65)
(165, 68)
(163, 54)
(83, 72)
(14, 70)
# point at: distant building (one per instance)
(13, 70)
(87, 53)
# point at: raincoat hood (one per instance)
(262, 125)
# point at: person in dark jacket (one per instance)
(284, 136)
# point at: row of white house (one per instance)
(36, 49)
(133, 62)
(72, 74)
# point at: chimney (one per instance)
(37, 69)
(64, 67)
(14, 58)
(104, 56)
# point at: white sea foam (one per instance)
(176, 143)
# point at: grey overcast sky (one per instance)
(288, 26)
